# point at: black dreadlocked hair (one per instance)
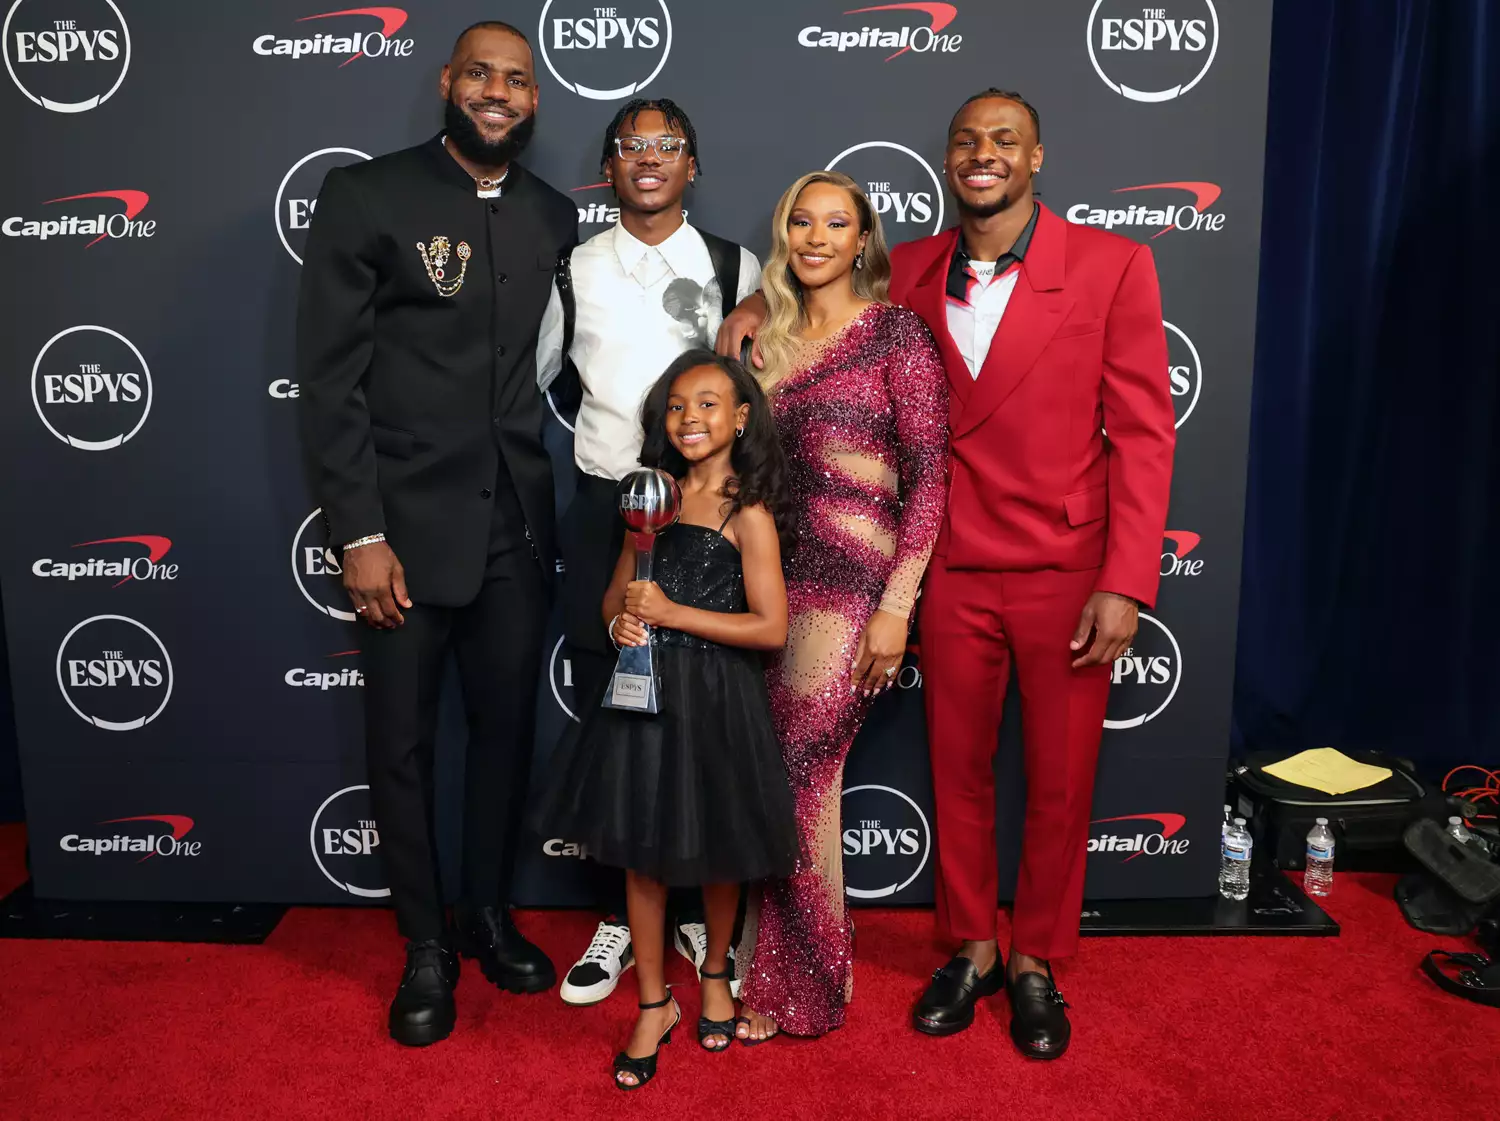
(1008, 95)
(490, 25)
(632, 109)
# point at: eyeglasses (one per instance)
(668, 148)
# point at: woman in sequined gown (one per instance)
(860, 400)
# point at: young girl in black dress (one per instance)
(696, 795)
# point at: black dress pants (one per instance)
(497, 642)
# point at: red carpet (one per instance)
(1164, 1028)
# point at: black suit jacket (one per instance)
(408, 397)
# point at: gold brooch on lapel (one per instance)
(435, 257)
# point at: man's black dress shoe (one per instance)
(489, 935)
(1038, 1016)
(948, 1004)
(423, 1011)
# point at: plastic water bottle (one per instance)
(1234, 870)
(1458, 831)
(1317, 878)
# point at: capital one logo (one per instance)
(1145, 678)
(317, 570)
(92, 221)
(336, 677)
(602, 53)
(344, 838)
(886, 841)
(1152, 54)
(903, 188)
(296, 199)
(915, 36)
(66, 57)
(1131, 836)
(1168, 215)
(114, 673)
(142, 839)
(353, 37)
(122, 565)
(91, 388)
(1184, 372)
(1178, 544)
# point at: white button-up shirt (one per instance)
(638, 307)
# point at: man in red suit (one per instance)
(1062, 432)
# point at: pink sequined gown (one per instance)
(865, 428)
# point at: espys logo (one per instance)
(119, 225)
(889, 834)
(68, 65)
(918, 37)
(560, 673)
(1188, 216)
(343, 842)
(121, 566)
(1184, 371)
(131, 841)
(1174, 561)
(114, 672)
(906, 193)
(91, 388)
(1152, 54)
(317, 570)
(341, 678)
(296, 199)
(354, 38)
(612, 46)
(1145, 678)
(1163, 842)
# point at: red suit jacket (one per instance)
(1034, 481)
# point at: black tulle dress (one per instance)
(698, 793)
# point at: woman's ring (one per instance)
(890, 671)
(362, 608)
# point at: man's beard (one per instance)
(465, 136)
(988, 210)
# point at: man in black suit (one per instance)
(426, 275)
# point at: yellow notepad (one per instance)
(1329, 770)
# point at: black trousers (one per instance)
(497, 642)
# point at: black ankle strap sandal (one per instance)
(644, 1068)
(707, 1027)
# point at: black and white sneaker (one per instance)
(595, 975)
(691, 940)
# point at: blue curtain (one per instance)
(1370, 611)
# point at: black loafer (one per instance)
(947, 1006)
(423, 1011)
(506, 958)
(1038, 1016)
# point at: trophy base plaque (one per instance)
(634, 687)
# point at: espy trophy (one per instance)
(649, 502)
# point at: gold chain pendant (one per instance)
(434, 260)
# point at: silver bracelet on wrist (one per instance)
(611, 628)
(361, 542)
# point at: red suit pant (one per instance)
(973, 625)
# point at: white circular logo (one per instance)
(114, 672)
(62, 56)
(1152, 54)
(297, 197)
(560, 674)
(91, 387)
(907, 196)
(342, 841)
(611, 45)
(1185, 369)
(317, 570)
(1145, 678)
(886, 841)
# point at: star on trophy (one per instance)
(649, 502)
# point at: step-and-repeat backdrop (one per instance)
(185, 666)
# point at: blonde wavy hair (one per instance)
(785, 315)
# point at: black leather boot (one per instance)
(947, 1007)
(1038, 1016)
(423, 1011)
(489, 935)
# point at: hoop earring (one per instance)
(738, 432)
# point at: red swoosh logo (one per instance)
(391, 20)
(156, 547)
(1205, 194)
(343, 654)
(590, 186)
(940, 14)
(1170, 824)
(180, 826)
(1186, 542)
(135, 202)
